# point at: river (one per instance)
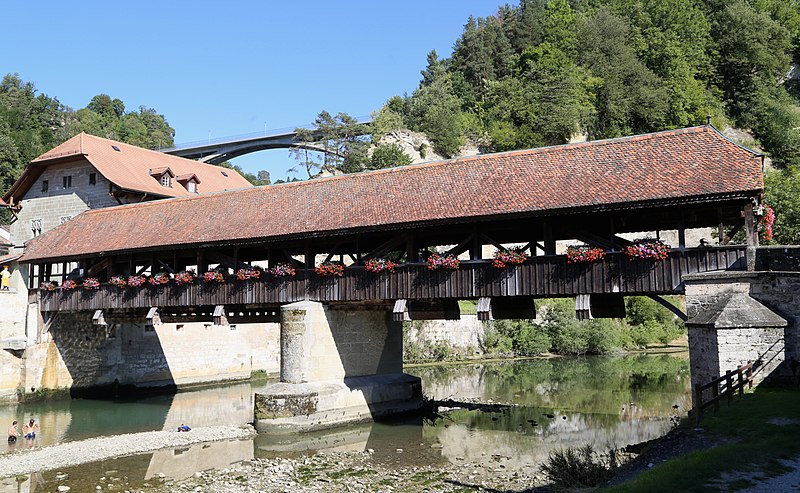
(608, 402)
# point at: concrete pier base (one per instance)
(286, 407)
(338, 365)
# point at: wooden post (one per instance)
(412, 251)
(549, 241)
(721, 228)
(729, 389)
(751, 231)
(476, 250)
(682, 233)
(741, 382)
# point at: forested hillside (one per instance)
(32, 123)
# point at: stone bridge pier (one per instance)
(340, 363)
(741, 317)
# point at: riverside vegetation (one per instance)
(556, 331)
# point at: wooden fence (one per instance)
(723, 387)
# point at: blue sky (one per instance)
(229, 68)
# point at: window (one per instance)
(149, 328)
(92, 178)
(224, 174)
(45, 185)
(116, 148)
(191, 186)
(233, 327)
(68, 181)
(179, 327)
(64, 219)
(165, 180)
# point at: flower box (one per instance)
(583, 253)
(118, 281)
(246, 274)
(159, 279)
(504, 258)
(378, 265)
(282, 270)
(184, 277)
(647, 249)
(436, 261)
(91, 283)
(136, 281)
(69, 284)
(329, 269)
(213, 276)
(49, 286)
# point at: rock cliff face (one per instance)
(417, 146)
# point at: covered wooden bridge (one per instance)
(590, 192)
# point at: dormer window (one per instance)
(163, 175)
(189, 182)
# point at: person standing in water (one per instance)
(30, 429)
(13, 433)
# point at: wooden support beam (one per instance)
(385, 248)
(461, 247)
(412, 250)
(222, 259)
(669, 306)
(549, 240)
(682, 232)
(98, 267)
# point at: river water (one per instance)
(543, 404)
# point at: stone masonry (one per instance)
(740, 317)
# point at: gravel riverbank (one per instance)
(103, 448)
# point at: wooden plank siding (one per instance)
(541, 276)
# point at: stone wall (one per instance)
(77, 354)
(775, 349)
(52, 207)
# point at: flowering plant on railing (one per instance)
(377, 265)
(766, 222)
(118, 281)
(436, 261)
(91, 283)
(329, 269)
(213, 276)
(49, 286)
(136, 281)
(504, 258)
(648, 249)
(249, 273)
(584, 253)
(184, 277)
(159, 279)
(282, 270)
(69, 284)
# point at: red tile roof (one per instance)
(677, 165)
(129, 167)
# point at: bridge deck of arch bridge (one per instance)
(544, 276)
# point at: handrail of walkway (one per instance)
(277, 132)
(742, 376)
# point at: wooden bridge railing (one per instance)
(722, 387)
(545, 276)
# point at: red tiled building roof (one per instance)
(128, 167)
(682, 165)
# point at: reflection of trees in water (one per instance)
(603, 384)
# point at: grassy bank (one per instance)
(757, 431)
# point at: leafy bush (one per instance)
(388, 156)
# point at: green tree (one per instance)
(388, 156)
(339, 143)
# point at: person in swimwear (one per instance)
(13, 433)
(30, 429)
